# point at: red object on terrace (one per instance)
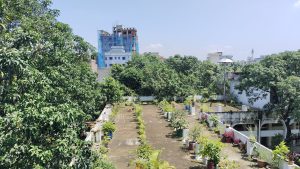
(229, 134)
(236, 141)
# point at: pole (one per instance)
(258, 131)
(224, 86)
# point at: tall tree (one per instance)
(47, 89)
(277, 75)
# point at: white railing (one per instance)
(96, 132)
(268, 154)
(240, 136)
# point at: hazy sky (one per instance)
(192, 27)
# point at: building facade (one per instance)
(217, 56)
(117, 47)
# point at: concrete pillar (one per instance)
(185, 133)
(98, 136)
(193, 111)
(169, 116)
(269, 139)
(255, 132)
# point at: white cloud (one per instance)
(155, 46)
(297, 4)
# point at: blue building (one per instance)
(118, 47)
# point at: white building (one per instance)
(217, 56)
(116, 55)
(243, 98)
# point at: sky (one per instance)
(192, 27)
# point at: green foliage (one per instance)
(178, 120)
(278, 75)
(144, 151)
(108, 127)
(112, 90)
(100, 160)
(187, 101)
(141, 123)
(114, 112)
(214, 119)
(276, 140)
(280, 153)
(176, 76)
(195, 132)
(212, 150)
(227, 164)
(148, 158)
(47, 89)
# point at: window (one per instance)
(123, 58)
(119, 58)
(105, 58)
(110, 65)
(110, 58)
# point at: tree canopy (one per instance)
(279, 75)
(47, 89)
(166, 78)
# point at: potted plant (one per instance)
(291, 157)
(187, 104)
(213, 121)
(280, 153)
(194, 133)
(250, 142)
(178, 122)
(202, 140)
(262, 159)
(227, 164)
(212, 150)
(108, 128)
(217, 130)
(105, 141)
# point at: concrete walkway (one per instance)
(122, 148)
(159, 135)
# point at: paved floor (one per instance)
(123, 146)
(159, 135)
(124, 143)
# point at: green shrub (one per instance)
(227, 164)
(280, 153)
(212, 150)
(178, 120)
(144, 151)
(195, 132)
(108, 127)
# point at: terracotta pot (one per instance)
(192, 145)
(210, 165)
(228, 140)
(261, 163)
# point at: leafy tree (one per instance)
(47, 89)
(175, 76)
(111, 89)
(278, 75)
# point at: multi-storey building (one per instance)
(217, 56)
(118, 47)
